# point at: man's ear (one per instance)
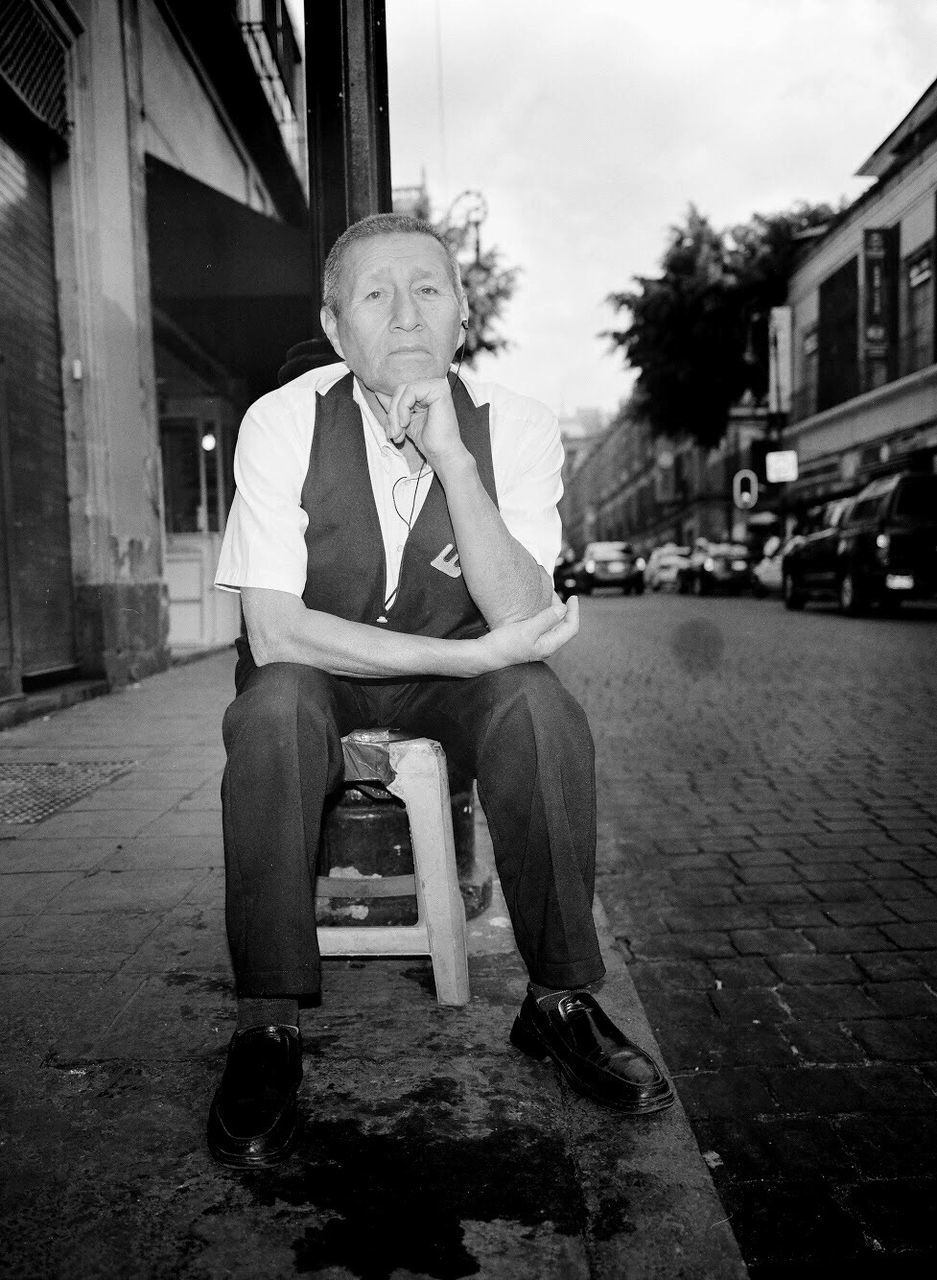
(330, 325)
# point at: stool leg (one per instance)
(422, 784)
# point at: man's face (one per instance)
(399, 317)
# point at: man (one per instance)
(393, 536)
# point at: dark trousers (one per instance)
(521, 734)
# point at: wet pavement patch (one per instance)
(397, 1199)
(32, 791)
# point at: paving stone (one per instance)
(797, 915)
(893, 1041)
(772, 1146)
(891, 1145)
(735, 916)
(835, 1002)
(822, 1042)
(915, 910)
(816, 968)
(791, 1221)
(749, 1006)
(686, 1006)
(769, 941)
(913, 936)
(686, 1048)
(743, 971)
(761, 858)
(690, 945)
(888, 966)
(665, 974)
(849, 939)
(740, 1091)
(775, 873)
(843, 891)
(826, 871)
(904, 997)
(899, 1214)
(775, 893)
(871, 912)
(816, 1089)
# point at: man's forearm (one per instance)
(502, 576)
(282, 629)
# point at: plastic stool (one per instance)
(414, 770)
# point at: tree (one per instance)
(698, 332)
(488, 287)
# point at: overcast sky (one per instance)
(590, 126)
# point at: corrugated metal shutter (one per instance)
(33, 62)
(29, 341)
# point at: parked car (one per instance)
(663, 566)
(610, 564)
(716, 566)
(564, 574)
(878, 548)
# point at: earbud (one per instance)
(464, 324)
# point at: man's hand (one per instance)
(534, 639)
(424, 411)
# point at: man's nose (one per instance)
(406, 314)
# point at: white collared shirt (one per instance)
(264, 541)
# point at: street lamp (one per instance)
(469, 209)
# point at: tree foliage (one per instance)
(488, 288)
(698, 332)
(488, 285)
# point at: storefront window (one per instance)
(193, 457)
(917, 347)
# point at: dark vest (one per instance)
(345, 564)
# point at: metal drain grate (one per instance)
(31, 792)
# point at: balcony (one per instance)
(268, 34)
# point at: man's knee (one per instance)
(280, 701)
(533, 692)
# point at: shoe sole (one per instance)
(529, 1042)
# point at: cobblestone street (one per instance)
(768, 859)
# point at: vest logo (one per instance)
(448, 561)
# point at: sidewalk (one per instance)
(432, 1148)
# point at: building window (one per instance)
(809, 389)
(917, 340)
(193, 486)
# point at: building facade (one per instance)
(641, 488)
(863, 306)
(162, 228)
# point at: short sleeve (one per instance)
(264, 540)
(527, 453)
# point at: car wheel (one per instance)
(639, 588)
(793, 599)
(699, 587)
(850, 599)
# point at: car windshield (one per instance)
(609, 550)
(728, 549)
(917, 498)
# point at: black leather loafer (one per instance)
(254, 1119)
(597, 1059)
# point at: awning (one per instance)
(239, 282)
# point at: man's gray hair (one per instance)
(381, 224)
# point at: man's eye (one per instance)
(429, 288)
(375, 293)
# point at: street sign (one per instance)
(744, 489)
(781, 466)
